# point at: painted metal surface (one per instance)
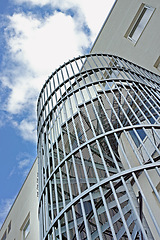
(98, 149)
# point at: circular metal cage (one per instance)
(99, 151)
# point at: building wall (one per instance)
(113, 36)
(24, 208)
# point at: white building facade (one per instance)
(132, 31)
(22, 222)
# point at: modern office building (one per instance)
(99, 134)
(22, 222)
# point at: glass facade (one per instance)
(98, 149)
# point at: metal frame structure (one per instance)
(98, 149)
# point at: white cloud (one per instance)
(12, 172)
(36, 46)
(24, 166)
(23, 163)
(94, 12)
(42, 44)
(28, 130)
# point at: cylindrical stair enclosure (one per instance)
(99, 151)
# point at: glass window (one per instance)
(9, 227)
(26, 229)
(140, 23)
(141, 134)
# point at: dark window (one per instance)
(9, 227)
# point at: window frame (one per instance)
(136, 22)
(26, 226)
(26, 223)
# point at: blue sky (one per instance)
(35, 38)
